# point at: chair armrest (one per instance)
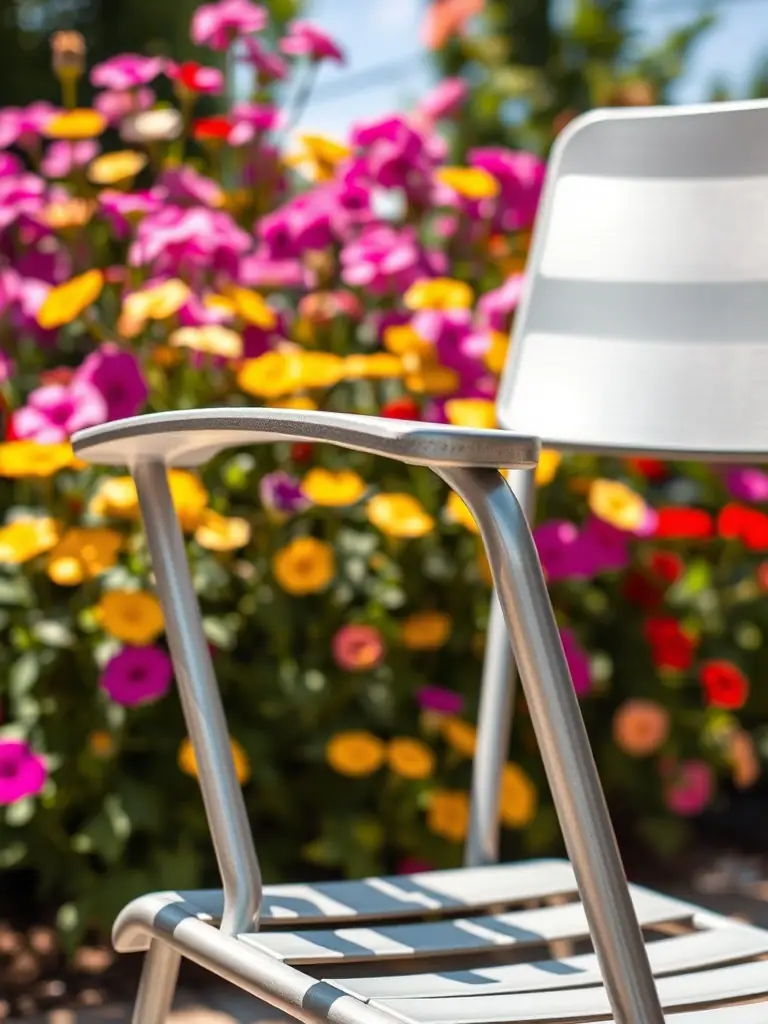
(191, 437)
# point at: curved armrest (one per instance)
(190, 438)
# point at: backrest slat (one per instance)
(644, 324)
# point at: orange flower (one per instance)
(460, 736)
(446, 19)
(448, 814)
(410, 759)
(425, 631)
(356, 753)
(517, 798)
(640, 727)
(188, 762)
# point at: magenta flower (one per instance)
(521, 177)
(126, 71)
(137, 675)
(55, 411)
(115, 106)
(306, 40)
(62, 158)
(217, 25)
(116, 374)
(496, 307)
(747, 484)
(561, 550)
(446, 99)
(603, 547)
(22, 771)
(10, 164)
(384, 259)
(174, 241)
(184, 185)
(6, 368)
(269, 67)
(578, 662)
(391, 153)
(121, 208)
(23, 126)
(250, 121)
(20, 194)
(261, 270)
(690, 789)
(437, 698)
(280, 492)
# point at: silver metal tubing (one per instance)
(495, 714)
(158, 984)
(562, 738)
(201, 703)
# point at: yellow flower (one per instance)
(188, 762)
(470, 182)
(402, 339)
(432, 380)
(409, 758)
(496, 355)
(315, 369)
(460, 736)
(69, 213)
(132, 616)
(457, 512)
(324, 487)
(294, 402)
(101, 744)
(116, 498)
(212, 339)
(549, 461)
(222, 533)
(305, 566)
(83, 554)
(112, 168)
(425, 631)
(471, 412)
(356, 753)
(517, 797)
(399, 515)
(318, 156)
(20, 459)
(378, 366)
(278, 373)
(82, 123)
(448, 814)
(66, 302)
(253, 308)
(25, 539)
(158, 303)
(617, 504)
(443, 293)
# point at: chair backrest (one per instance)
(644, 320)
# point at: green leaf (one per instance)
(53, 634)
(18, 814)
(23, 674)
(16, 592)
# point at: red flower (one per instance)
(216, 129)
(302, 451)
(10, 433)
(725, 685)
(641, 591)
(683, 523)
(195, 77)
(666, 566)
(670, 646)
(400, 409)
(750, 526)
(762, 575)
(651, 469)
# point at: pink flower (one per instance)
(23, 126)
(6, 368)
(10, 164)
(747, 484)
(280, 492)
(445, 99)
(250, 121)
(261, 270)
(174, 239)
(22, 771)
(690, 789)
(20, 194)
(384, 259)
(521, 177)
(120, 208)
(437, 698)
(391, 153)
(358, 648)
(116, 105)
(137, 675)
(270, 67)
(578, 662)
(217, 25)
(495, 307)
(306, 40)
(55, 411)
(62, 158)
(116, 374)
(184, 185)
(126, 71)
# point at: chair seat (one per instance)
(485, 946)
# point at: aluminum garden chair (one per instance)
(644, 330)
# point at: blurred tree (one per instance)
(533, 68)
(109, 27)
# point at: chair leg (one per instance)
(564, 744)
(158, 984)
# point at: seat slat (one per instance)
(403, 896)
(742, 981)
(747, 1013)
(699, 950)
(442, 938)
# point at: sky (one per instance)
(376, 32)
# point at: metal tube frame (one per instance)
(495, 714)
(564, 744)
(159, 975)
